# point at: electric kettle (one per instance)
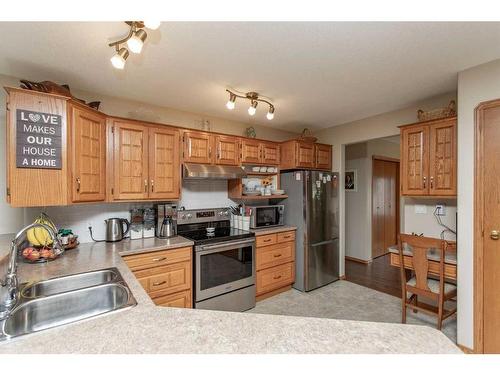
(114, 229)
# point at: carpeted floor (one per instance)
(345, 300)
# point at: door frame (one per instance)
(478, 241)
(398, 194)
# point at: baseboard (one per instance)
(273, 293)
(342, 277)
(465, 349)
(357, 260)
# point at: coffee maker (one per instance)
(166, 220)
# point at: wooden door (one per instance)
(88, 145)
(443, 158)
(414, 160)
(164, 163)
(197, 147)
(227, 150)
(304, 153)
(270, 153)
(250, 151)
(323, 155)
(130, 161)
(487, 220)
(378, 203)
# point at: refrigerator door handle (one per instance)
(324, 242)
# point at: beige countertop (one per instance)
(147, 328)
(432, 254)
(281, 228)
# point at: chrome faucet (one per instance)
(9, 285)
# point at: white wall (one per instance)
(426, 222)
(199, 194)
(475, 85)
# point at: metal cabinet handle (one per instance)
(425, 182)
(145, 186)
(432, 182)
(495, 235)
(159, 283)
(152, 186)
(159, 259)
(267, 240)
(277, 277)
(78, 184)
(277, 255)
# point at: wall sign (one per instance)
(38, 142)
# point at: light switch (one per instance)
(420, 209)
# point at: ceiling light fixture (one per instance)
(254, 99)
(135, 41)
(152, 24)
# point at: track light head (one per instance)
(136, 41)
(119, 58)
(270, 113)
(253, 108)
(231, 102)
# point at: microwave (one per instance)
(266, 216)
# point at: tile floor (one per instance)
(346, 300)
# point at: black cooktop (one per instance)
(200, 236)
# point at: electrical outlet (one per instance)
(440, 209)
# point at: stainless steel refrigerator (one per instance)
(313, 207)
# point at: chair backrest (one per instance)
(419, 247)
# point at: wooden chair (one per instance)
(435, 289)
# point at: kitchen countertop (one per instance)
(147, 328)
(281, 228)
(450, 257)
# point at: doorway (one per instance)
(385, 204)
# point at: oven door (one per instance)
(267, 216)
(221, 268)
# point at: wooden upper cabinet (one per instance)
(443, 158)
(296, 154)
(164, 164)
(250, 151)
(270, 153)
(130, 160)
(197, 147)
(227, 150)
(323, 156)
(88, 154)
(428, 158)
(304, 154)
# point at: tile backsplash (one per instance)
(195, 194)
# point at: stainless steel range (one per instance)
(224, 260)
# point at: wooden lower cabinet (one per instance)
(275, 263)
(165, 275)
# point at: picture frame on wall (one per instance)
(351, 180)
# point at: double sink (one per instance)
(67, 299)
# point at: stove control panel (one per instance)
(203, 216)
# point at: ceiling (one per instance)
(317, 74)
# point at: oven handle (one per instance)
(226, 244)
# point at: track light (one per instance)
(152, 24)
(119, 58)
(270, 114)
(136, 41)
(231, 102)
(254, 99)
(253, 108)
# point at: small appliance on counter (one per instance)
(136, 223)
(166, 220)
(114, 229)
(266, 216)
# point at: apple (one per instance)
(27, 251)
(35, 255)
(45, 253)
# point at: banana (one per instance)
(40, 236)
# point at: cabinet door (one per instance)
(197, 147)
(270, 153)
(88, 133)
(443, 158)
(250, 151)
(414, 160)
(130, 161)
(164, 165)
(323, 155)
(227, 150)
(304, 154)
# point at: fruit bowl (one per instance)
(32, 254)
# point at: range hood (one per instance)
(213, 172)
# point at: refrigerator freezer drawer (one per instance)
(322, 264)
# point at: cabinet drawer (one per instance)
(266, 240)
(275, 255)
(163, 280)
(181, 299)
(157, 258)
(275, 277)
(286, 236)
